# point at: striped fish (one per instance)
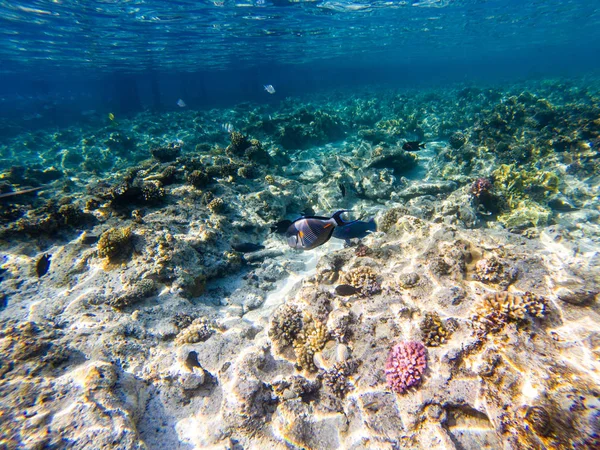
(307, 233)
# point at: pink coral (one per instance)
(405, 365)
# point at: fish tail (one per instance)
(337, 217)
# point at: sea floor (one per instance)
(129, 321)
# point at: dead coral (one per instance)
(498, 309)
(115, 243)
(199, 331)
(364, 279)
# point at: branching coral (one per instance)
(497, 309)
(405, 366)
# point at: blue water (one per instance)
(129, 55)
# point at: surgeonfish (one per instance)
(181, 103)
(269, 88)
(307, 233)
(357, 229)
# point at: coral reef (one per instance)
(405, 365)
(488, 259)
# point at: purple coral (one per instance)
(405, 365)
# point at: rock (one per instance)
(579, 297)
(192, 380)
(421, 189)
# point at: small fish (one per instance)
(281, 226)
(181, 103)
(42, 265)
(413, 146)
(111, 116)
(345, 290)
(247, 247)
(357, 229)
(227, 127)
(269, 88)
(342, 189)
(308, 233)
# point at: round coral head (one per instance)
(405, 365)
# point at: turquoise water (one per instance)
(173, 272)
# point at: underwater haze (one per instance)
(299, 224)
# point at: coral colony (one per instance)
(405, 366)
